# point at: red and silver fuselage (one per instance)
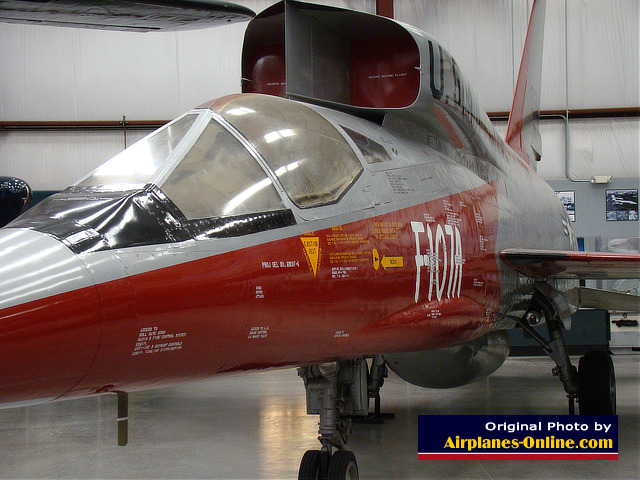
(258, 232)
(110, 291)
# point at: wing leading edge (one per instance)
(559, 264)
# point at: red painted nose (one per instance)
(50, 318)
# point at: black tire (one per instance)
(597, 384)
(343, 466)
(310, 465)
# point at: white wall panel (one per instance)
(604, 58)
(595, 148)
(52, 73)
(604, 148)
(484, 37)
(55, 160)
(477, 34)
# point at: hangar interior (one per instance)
(73, 98)
(70, 99)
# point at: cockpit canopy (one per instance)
(234, 155)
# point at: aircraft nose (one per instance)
(50, 317)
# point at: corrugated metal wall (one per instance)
(50, 73)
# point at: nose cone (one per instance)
(50, 317)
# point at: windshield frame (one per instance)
(206, 115)
(217, 106)
(189, 137)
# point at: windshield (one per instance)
(218, 177)
(310, 157)
(133, 167)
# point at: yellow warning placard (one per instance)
(312, 252)
(392, 262)
(386, 262)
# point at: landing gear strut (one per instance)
(336, 391)
(593, 384)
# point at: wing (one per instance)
(541, 264)
(127, 15)
(554, 264)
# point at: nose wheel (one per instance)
(310, 465)
(337, 392)
(342, 465)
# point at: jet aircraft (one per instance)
(15, 198)
(621, 201)
(353, 203)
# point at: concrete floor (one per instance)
(255, 427)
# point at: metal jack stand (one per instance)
(375, 382)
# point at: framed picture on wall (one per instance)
(622, 205)
(568, 199)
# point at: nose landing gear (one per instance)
(336, 391)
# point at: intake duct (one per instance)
(452, 366)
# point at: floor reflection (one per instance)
(255, 427)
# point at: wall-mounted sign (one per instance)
(568, 199)
(622, 205)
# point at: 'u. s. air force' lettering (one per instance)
(446, 248)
